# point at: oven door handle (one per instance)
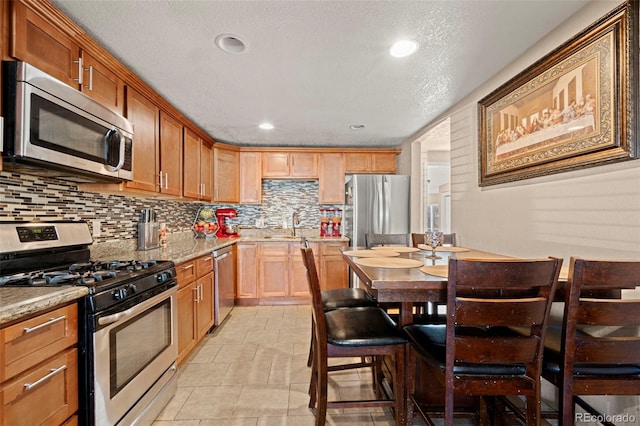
(110, 319)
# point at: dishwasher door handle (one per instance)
(218, 258)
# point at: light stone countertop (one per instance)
(182, 246)
(21, 302)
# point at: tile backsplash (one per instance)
(26, 197)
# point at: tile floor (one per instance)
(252, 371)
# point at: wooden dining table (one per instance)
(410, 285)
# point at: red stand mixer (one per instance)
(223, 230)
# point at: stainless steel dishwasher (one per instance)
(224, 285)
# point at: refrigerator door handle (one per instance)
(385, 205)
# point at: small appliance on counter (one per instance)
(330, 222)
(225, 231)
(148, 230)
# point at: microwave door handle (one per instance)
(121, 148)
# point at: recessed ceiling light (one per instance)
(403, 48)
(357, 126)
(231, 44)
(266, 126)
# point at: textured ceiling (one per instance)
(313, 68)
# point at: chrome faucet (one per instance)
(295, 220)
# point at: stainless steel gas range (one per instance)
(128, 321)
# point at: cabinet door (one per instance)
(275, 164)
(247, 283)
(303, 165)
(39, 43)
(333, 269)
(102, 84)
(250, 178)
(273, 270)
(357, 162)
(48, 402)
(192, 162)
(383, 163)
(146, 155)
(186, 320)
(226, 175)
(206, 171)
(331, 179)
(204, 307)
(170, 155)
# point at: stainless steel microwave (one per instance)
(53, 129)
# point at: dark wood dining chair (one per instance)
(339, 298)
(417, 238)
(581, 362)
(475, 354)
(373, 240)
(347, 333)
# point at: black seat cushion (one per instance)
(429, 341)
(552, 359)
(363, 326)
(346, 298)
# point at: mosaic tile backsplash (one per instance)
(26, 197)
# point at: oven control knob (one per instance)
(120, 294)
(132, 289)
(164, 276)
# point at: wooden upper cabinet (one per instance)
(39, 43)
(198, 157)
(289, 165)
(368, 162)
(206, 171)
(191, 178)
(331, 173)
(102, 84)
(250, 178)
(303, 164)
(170, 155)
(226, 175)
(145, 117)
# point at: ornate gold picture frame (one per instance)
(574, 108)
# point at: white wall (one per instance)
(593, 212)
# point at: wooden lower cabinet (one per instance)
(195, 303)
(39, 369)
(273, 272)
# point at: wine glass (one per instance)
(433, 240)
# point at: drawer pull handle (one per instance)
(54, 371)
(189, 266)
(206, 259)
(45, 324)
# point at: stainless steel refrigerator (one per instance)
(377, 204)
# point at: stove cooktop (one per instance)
(95, 274)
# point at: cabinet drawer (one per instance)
(32, 341)
(46, 394)
(186, 272)
(204, 265)
(273, 249)
(332, 249)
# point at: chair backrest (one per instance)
(317, 307)
(486, 294)
(373, 240)
(621, 345)
(417, 238)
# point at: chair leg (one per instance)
(322, 383)
(411, 385)
(399, 390)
